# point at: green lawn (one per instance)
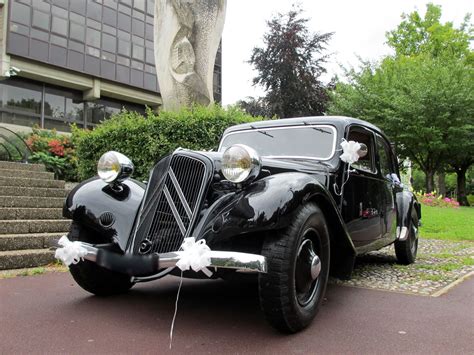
(447, 223)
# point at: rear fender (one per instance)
(91, 199)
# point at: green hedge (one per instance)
(145, 139)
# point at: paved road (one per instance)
(50, 314)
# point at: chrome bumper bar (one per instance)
(241, 262)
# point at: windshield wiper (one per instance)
(316, 128)
(262, 132)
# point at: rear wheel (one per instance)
(90, 276)
(293, 288)
(406, 250)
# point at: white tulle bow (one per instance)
(195, 255)
(71, 252)
(349, 151)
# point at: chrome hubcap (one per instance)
(308, 269)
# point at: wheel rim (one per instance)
(308, 268)
(413, 239)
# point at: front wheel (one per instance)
(293, 288)
(92, 277)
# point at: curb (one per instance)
(447, 288)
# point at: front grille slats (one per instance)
(183, 191)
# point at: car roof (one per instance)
(341, 122)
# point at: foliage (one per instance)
(289, 66)
(423, 97)
(255, 106)
(447, 223)
(144, 139)
(436, 200)
(55, 151)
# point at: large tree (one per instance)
(422, 96)
(289, 66)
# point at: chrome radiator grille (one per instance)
(174, 207)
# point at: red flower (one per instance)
(56, 147)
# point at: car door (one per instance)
(362, 201)
(388, 173)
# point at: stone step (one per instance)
(32, 191)
(34, 226)
(28, 241)
(17, 259)
(31, 202)
(21, 166)
(30, 213)
(30, 182)
(27, 174)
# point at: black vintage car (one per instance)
(274, 202)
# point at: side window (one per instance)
(385, 160)
(361, 135)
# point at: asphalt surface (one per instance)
(49, 314)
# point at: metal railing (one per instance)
(12, 146)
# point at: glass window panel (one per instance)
(110, 30)
(109, 16)
(139, 5)
(94, 11)
(150, 7)
(77, 18)
(138, 27)
(74, 109)
(59, 26)
(76, 46)
(123, 35)
(62, 3)
(108, 56)
(41, 20)
(93, 24)
(93, 51)
(125, 9)
(76, 31)
(138, 52)
(78, 6)
(150, 69)
(42, 5)
(108, 42)
(126, 2)
(110, 3)
(138, 15)
(150, 56)
(124, 47)
(123, 61)
(137, 65)
(93, 37)
(138, 40)
(94, 113)
(60, 41)
(16, 27)
(149, 20)
(20, 13)
(54, 104)
(41, 35)
(57, 11)
(21, 96)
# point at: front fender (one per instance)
(266, 204)
(89, 200)
(406, 203)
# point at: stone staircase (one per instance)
(30, 215)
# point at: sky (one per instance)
(359, 28)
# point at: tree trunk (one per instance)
(429, 181)
(461, 186)
(442, 183)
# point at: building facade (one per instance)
(77, 61)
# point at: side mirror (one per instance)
(363, 150)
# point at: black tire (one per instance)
(406, 250)
(289, 297)
(90, 276)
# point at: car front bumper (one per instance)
(148, 265)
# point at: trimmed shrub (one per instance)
(435, 200)
(145, 139)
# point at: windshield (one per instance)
(310, 141)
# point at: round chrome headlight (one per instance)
(114, 166)
(240, 163)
